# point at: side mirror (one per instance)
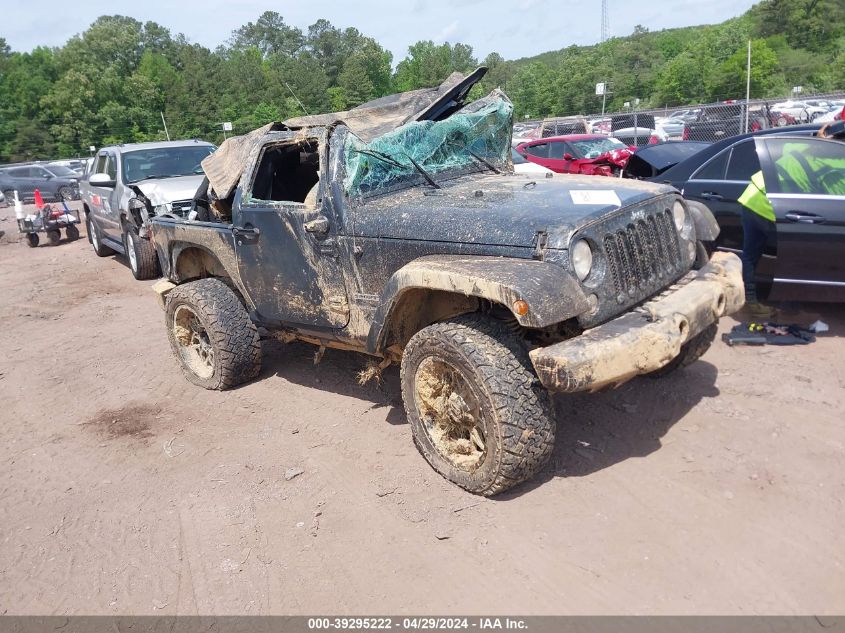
(568, 156)
(102, 180)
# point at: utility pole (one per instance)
(748, 87)
(605, 24)
(166, 133)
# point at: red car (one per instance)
(590, 154)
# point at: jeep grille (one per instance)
(643, 256)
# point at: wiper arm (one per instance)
(483, 161)
(423, 172)
(381, 156)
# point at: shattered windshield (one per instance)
(476, 138)
(595, 147)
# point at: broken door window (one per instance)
(473, 139)
(287, 172)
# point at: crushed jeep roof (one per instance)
(367, 121)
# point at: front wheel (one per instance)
(65, 193)
(143, 260)
(54, 236)
(32, 239)
(72, 233)
(211, 334)
(478, 413)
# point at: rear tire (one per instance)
(211, 334)
(143, 261)
(72, 233)
(690, 352)
(32, 239)
(94, 237)
(478, 413)
(54, 236)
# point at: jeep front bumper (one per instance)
(647, 338)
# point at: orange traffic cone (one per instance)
(39, 201)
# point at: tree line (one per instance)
(113, 82)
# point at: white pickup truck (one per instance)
(129, 184)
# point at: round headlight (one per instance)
(582, 259)
(680, 215)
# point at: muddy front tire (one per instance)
(211, 335)
(478, 414)
(143, 260)
(690, 352)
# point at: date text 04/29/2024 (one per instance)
(415, 623)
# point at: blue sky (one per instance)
(514, 28)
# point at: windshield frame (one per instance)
(174, 148)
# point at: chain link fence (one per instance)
(701, 122)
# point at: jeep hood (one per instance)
(167, 190)
(503, 210)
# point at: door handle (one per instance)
(712, 195)
(319, 225)
(804, 218)
(246, 231)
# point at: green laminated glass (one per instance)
(475, 138)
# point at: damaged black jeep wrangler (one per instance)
(398, 229)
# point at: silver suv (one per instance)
(129, 184)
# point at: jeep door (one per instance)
(810, 215)
(286, 243)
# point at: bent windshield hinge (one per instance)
(540, 240)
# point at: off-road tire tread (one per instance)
(72, 233)
(690, 352)
(54, 236)
(522, 405)
(237, 347)
(145, 255)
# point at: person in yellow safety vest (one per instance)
(758, 226)
(758, 216)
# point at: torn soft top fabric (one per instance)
(368, 121)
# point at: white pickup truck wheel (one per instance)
(141, 253)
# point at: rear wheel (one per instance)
(32, 239)
(54, 236)
(72, 232)
(478, 414)
(211, 335)
(141, 253)
(9, 194)
(690, 352)
(94, 236)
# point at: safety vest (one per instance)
(754, 198)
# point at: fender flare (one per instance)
(706, 227)
(552, 294)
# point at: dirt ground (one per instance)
(126, 490)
